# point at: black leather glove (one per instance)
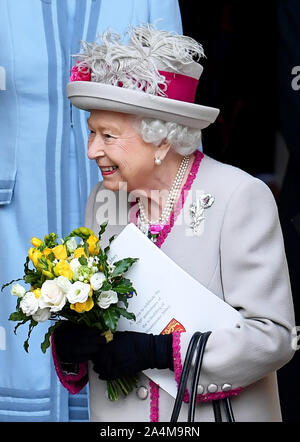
(76, 342)
(131, 352)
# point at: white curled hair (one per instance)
(134, 64)
(184, 140)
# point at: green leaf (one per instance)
(51, 256)
(31, 327)
(123, 298)
(124, 286)
(83, 260)
(86, 248)
(43, 263)
(102, 229)
(21, 323)
(111, 317)
(46, 343)
(18, 316)
(125, 313)
(122, 266)
(106, 250)
(105, 286)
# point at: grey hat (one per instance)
(154, 75)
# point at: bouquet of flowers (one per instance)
(74, 280)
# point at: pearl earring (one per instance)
(157, 161)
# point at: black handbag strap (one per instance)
(184, 375)
(197, 346)
(198, 364)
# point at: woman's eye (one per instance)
(107, 136)
(92, 132)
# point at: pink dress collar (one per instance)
(179, 205)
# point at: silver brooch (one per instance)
(197, 209)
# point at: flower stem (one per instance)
(125, 385)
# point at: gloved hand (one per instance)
(76, 342)
(131, 352)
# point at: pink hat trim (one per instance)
(180, 87)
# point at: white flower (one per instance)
(42, 315)
(18, 290)
(78, 292)
(52, 296)
(63, 283)
(97, 280)
(90, 262)
(29, 304)
(75, 264)
(71, 245)
(106, 298)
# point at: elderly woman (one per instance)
(145, 133)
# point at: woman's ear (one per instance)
(164, 148)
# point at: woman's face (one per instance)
(114, 141)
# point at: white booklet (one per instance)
(168, 298)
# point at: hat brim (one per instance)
(89, 95)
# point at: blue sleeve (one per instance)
(8, 124)
(167, 13)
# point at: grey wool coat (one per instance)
(238, 255)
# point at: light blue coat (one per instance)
(45, 176)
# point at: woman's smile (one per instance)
(109, 170)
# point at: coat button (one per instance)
(226, 387)
(142, 392)
(212, 388)
(200, 389)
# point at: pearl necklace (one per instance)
(172, 198)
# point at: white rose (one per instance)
(97, 280)
(107, 298)
(29, 304)
(71, 245)
(74, 264)
(42, 315)
(18, 290)
(78, 292)
(63, 283)
(52, 296)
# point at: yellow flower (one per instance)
(34, 255)
(93, 243)
(36, 242)
(46, 252)
(81, 307)
(63, 268)
(60, 252)
(37, 293)
(108, 335)
(79, 252)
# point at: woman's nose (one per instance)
(95, 149)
